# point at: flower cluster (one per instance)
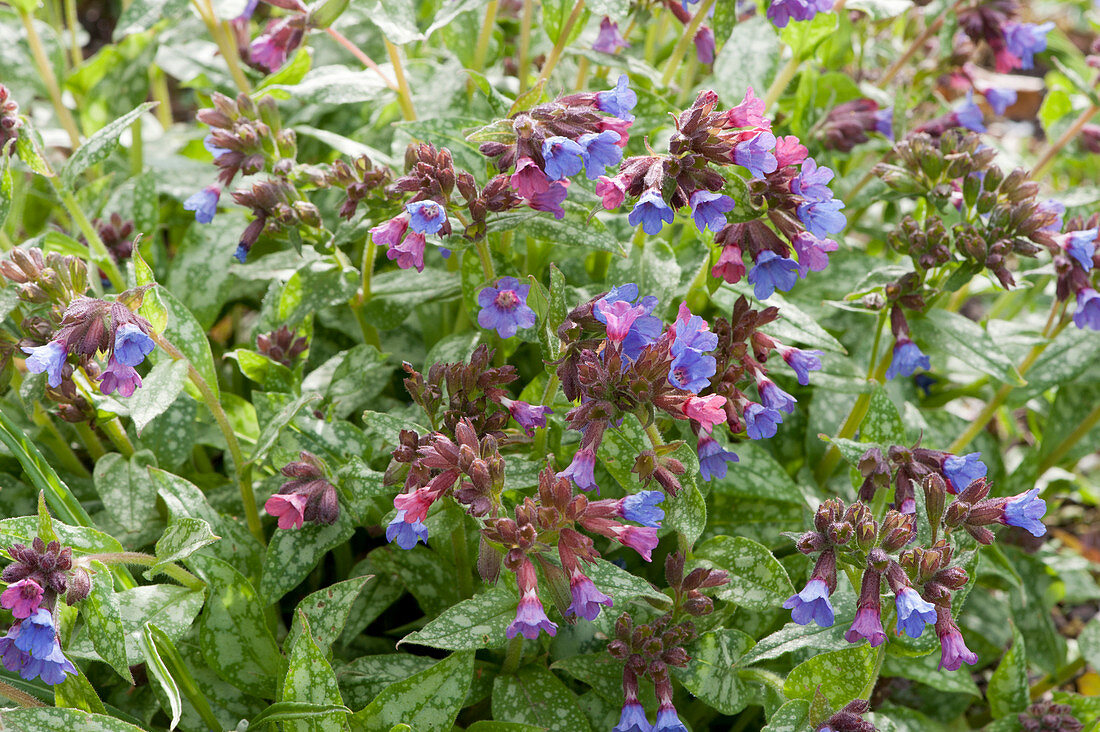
(36, 578)
(1014, 44)
(308, 496)
(921, 578)
(649, 649)
(1075, 265)
(282, 346)
(782, 12)
(846, 125)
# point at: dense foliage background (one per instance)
(514, 365)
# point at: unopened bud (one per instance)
(79, 585)
(488, 561)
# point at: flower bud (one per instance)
(840, 533)
(488, 561)
(952, 577)
(811, 542)
(79, 585)
(981, 534)
(935, 493)
(957, 513)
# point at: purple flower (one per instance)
(1088, 309)
(868, 624)
(642, 539)
(612, 192)
(633, 718)
(1058, 209)
(529, 416)
(409, 252)
(404, 534)
(761, 423)
(1000, 99)
(822, 218)
(645, 328)
(530, 618)
(249, 9)
(581, 470)
(691, 370)
(756, 154)
(22, 598)
(1025, 510)
(1081, 245)
(36, 634)
(550, 200)
(31, 649)
(667, 720)
(704, 45)
(619, 317)
(204, 203)
(709, 209)
(425, 217)
(782, 12)
(811, 604)
(119, 377)
(884, 122)
(50, 360)
(953, 650)
(906, 359)
(1024, 40)
(775, 398)
(620, 101)
(391, 232)
(564, 157)
(914, 612)
(641, 508)
(651, 212)
(504, 307)
(609, 39)
(586, 598)
(813, 253)
(772, 272)
(812, 181)
(963, 470)
(691, 332)
(529, 180)
(969, 115)
(217, 152)
(288, 508)
(713, 458)
(801, 362)
(132, 345)
(599, 151)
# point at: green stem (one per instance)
(486, 260)
(21, 698)
(481, 51)
(226, 44)
(686, 38)
(779, 85)
(512, 655)
(461, 556)
(182, 675)
(880, 656)
(72, 23)
(137, 149)
(1072, 439)
(95, 244)
(174, 571)
(118, 437)
(525, 43)
(1049, 682)
(404, 95)
(916, 45)
(64, 453)
(45, 72)
(559, 46)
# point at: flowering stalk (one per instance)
(559, 46)
(525, 43)
(362, 57)
(101, 256)
(21, 698)
(45, 71)
(404, 95)
(681, 46)
(225, 45)
(487, 25)
(1042, 165)
(172, 570)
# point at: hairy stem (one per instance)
(559, 46)
(481, 51)
(21, 698)
(525, 43)
(782, 79)
(486, 260)
(686, 38)
(461, 556)
(361, 57)
(45, 72)
(512, 655)
(141, 559)
(1046, 158)
(404, 95)
(1079, 432)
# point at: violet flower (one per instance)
(504, 307)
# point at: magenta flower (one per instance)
(586, 598)
(867, 624)
(612, 192)
(609, 39)
(704, 45)
(953, 650)
(119, 377)
(287, 508)
(391, 232)
(749, 112)
(706, 410)
(529, 180)
(642, 539)
(22, 598)
(789, 151)
(504, 307)
(409, 252)
(813, 253)
(551, 199)
(731, 265)
(619, 316)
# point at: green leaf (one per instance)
(152, 308)
(78, 693)
(293, 553)
(712, 674)
(486, 725)
(366, 677)
(757, 580)
(170, 607)
(395, 294)
(1008, 686)
(185, 333)
(925, 670)
(273, 427)
(557, 310)
(141, 15)
(842, 675)
(181, 539)
(157, 393)
(652, 267)
(7, 185)
(621, 585)
(575, 230)
(428, 701)
(287, 711)
(748, 59)
(327, 610)
(309, 678)
(535, 696)
(793, 716)
(882, 423)
(361, 374)
(687, 513)
(156, 668)
(125, 487)
(478, 622)
(103, 619)
(60, 719)
(951, 334)
(99, 146)
(233, 633)
(24, 529)
(805, 36)
(29, 146)
(333, 84)
(1088, 642)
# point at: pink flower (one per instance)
(415, 504)
(706, 410)
(642, 539)
(22, 598)
(408, 253)
(612, 191)
(288, 508)
(529, 179)
(813, 253)
(621, 126)
(748, 113)
(391, 232)
(730, 266)
(789, 151)
(620, 316)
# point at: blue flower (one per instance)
(812, 603)
(914, 612)
(969, 115)
(581, 470)
(906, 359)
(775, 398)
(691, 332)
(37, 634)
(963, 470)
(48, 359)
(761, 422)
(599, 151)
(564, 157)
(1088, 309)
(132, 345)
(1025, 510)
(633, 718)
(586, 597)
(667, 720)
(241, 253)
(642, 508)
(691, 370)
(425, 217)
(884, 122)
(404, 534)
(1081, 245)
(619, 101)
(31, 649)
(1024, 40)
(822, 218)
(812, 181)
(772, 272)
(204, 203)
(802, 362)
(504, 307)
(1053, 207)
(709, 209)
(1000, 99)
(651, 212)
(713, 458)
(756, 154)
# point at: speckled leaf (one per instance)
(575, 230)
(534, 695)
(157, 393)
(181, 539)
(76, 692)
(156, 668)
(395, 294)
(712, 674)
(757, 580)
(794, 716)
(619, 449)
(478, 622)
(327, 611)
(1089, 642)
(7, 185)
(950, 334)
(24, 529)
(103, 618)
(293, 553)
(758, 468)
(291, 711)
(748, 58)
(233, 632)
(309, 678)
(274, 426)
(152, 308)
(428, 701)
(487, 725)
(357, 380)
(185, 333)
(924, 669)
(124, 485)
(620, 584)
(842, 675)
(170, 607)
(687, 512)
(205, 255)
(366, 677)
(555, 316)
(57, 719)
(793, 637)
(882, 424)
(269, 374)
(1066, 358)
(652, 267)
(99, 146)
(1008, 686)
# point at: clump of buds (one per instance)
(846, 125)
(1046, 716)
(359, 180)
(849, 719)
(51, 278)
(277, 205)
(246, 136)
(307, 496)
(10, 121)
(283, 346)
(50, 568)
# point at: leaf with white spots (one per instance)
(309, 678)
(99, 146)
(428, 701)
(24, 530)
(103, 619)
(158, 392)
(842, 675)
(622, 585)
(129, 495)
(687, 512)
(944, 333)
(60, 719)
(181, 539)
(713, 672)
(757, 580)
(366, 677)
(156, 668)
(293, 553)
(534, 695)
(478, 622)
(1008, 686)
(327, 610)
(794, 716)
(882, 424)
